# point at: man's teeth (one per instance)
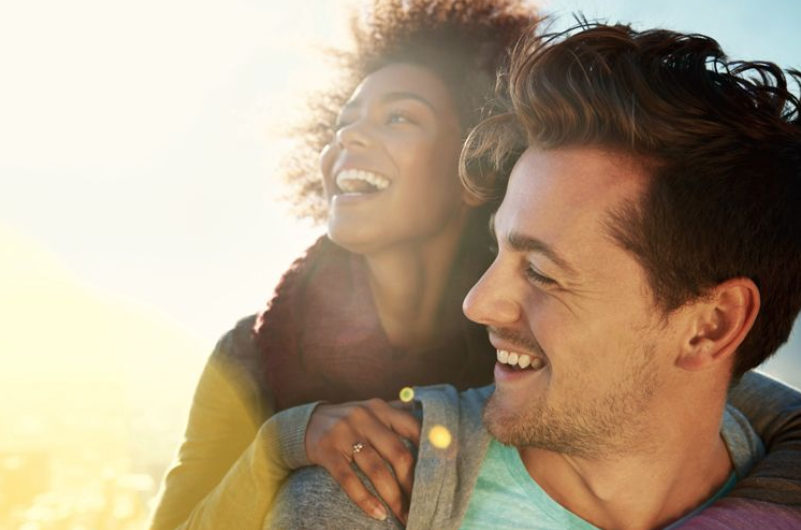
(361, 181)
(520, 359)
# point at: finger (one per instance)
(375, 469)
(403, 464)
(344, 475)
(406, 425)
(388, 445)
(362, 423)
(383, 443)
(402, 422)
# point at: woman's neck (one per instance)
(409, 281)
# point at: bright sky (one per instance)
(138, 218)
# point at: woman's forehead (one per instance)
(404, 79)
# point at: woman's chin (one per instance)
(386, 233)
(355, 237)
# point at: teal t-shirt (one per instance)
(507, 498)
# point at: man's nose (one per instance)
(491, 301)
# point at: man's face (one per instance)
(565, 298)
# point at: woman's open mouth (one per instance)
(361, 182)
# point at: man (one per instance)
(649, 255)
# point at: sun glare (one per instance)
(83, 433)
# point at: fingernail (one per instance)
(378, 512)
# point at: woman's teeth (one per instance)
(360, 181)
(520, 360)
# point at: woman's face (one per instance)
(390, 172)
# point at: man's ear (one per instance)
(718, 324)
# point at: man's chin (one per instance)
(520, 425)
(504, 422)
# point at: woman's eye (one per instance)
(398, 117)
(536, 277)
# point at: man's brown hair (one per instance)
(720, 140)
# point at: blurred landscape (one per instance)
(95, 393)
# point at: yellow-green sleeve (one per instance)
(231, 461)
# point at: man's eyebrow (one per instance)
(520, 243)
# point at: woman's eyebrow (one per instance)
(395, 96)
(389, 98)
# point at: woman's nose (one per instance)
(354, 134)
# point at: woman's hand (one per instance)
(368, 433)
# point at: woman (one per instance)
(375, 306)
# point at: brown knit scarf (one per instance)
(321, 339)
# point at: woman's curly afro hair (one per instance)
(465, 42)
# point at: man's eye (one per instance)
(536, 277)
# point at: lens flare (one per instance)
(440, 437)
(407, 394)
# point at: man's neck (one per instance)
(637, 491)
